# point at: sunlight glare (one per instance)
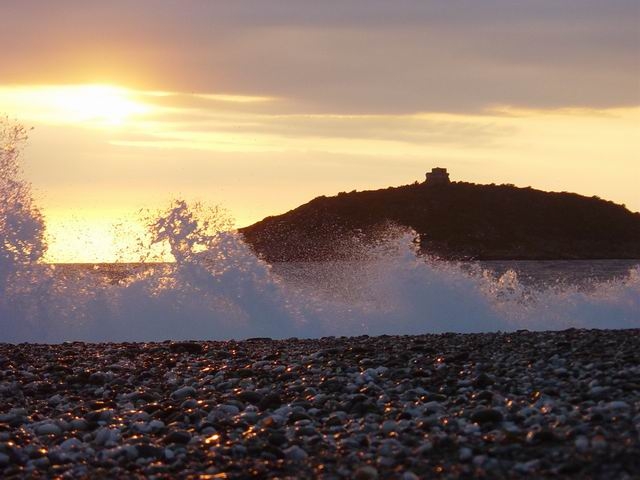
(96, 105)
(95, 237)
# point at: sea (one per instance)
(232, 294)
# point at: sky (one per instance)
(262, 105)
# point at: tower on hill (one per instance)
(437, 176)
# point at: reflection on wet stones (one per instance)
(537, 405)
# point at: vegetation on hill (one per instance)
(454, 221)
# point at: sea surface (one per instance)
(538, 274)
(533, 274)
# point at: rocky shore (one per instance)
(500, 405)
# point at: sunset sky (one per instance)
(262, 105)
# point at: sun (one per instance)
(88, 104)
(103, 104)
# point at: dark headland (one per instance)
(454, 220)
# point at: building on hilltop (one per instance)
(437, 176)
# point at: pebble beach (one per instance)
(496, 405)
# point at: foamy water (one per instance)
(218, 289)
(230, 293)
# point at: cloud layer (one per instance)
(348, 57)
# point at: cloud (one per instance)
(354, 57)
(233, 123)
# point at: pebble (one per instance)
(598, 442)
(618, 405)
(409, 476)
(486, 415)
(184, 392)
(527, 467)
(107, 436)
(48, 429)
(366, 473)
(270, 401)
(71, 443)
(466, 454)
(389, 426)
(449, 406)
(156, 425)
(78, 424)
(251, 397)
(178, 436)
(149, 451)
(295, 453)
(582, 443)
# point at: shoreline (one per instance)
(555, 404)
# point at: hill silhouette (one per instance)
(457, 220)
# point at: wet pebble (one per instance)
(183, 392)
(295, 453)
(48, 429)
(533, 404)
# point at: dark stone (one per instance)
(484, 395)
(58, 458)
(543, 436)
(219, 354)
(99, 404)
(271, 400)
(434, 397)
(186, 347)
(277, 439)
(332, 385)
(151, 451)
(482, 381)
(361, 405)
(295, 416)
(571, 467)
(184, 392)
(457, 357)
(486, 415)
(250, 396)
(274, 451)
(97, 378)
(333, 420)
(99, 415)
(403, 415)
(245, 372)
(178, 436)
